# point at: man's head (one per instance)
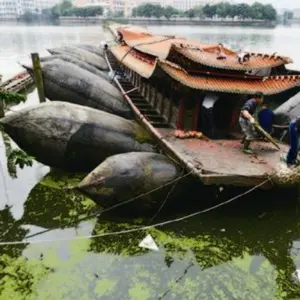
(263, 106)
(259, 98)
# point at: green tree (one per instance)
(190, 13)
(134, 12)
(210, 10)
(269, 12)
(241, 10)
(149, 10)
(198, 11)
(120, 14)
(169, 11)
(257, 9)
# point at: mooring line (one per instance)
(84, 237)
(100, 212)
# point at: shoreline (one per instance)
(147, 21)
(179, 22)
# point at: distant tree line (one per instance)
(256, 11)
(65, 8)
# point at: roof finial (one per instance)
(221, 54)
(243, 56)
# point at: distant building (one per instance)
(180, 4)
(296, 14)
(42, 4)
(113, 6)
(12, 9)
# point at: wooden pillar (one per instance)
(139, 83)
(155, 98)
(38, 77)
(152, 99)
(147, 93)
(142, 86)
(180, 120)
(162, 103)
(196, 114)
(170, 114)
(133, 78)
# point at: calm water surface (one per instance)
(247, 250)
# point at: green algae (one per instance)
(59, 179)
(142, 135)
(19, 277)
(59, 207)
(196, 260)
(139, 291)
(104, 287)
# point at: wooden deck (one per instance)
(223, 162)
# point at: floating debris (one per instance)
(149, 243)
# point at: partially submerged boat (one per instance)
(189, 95)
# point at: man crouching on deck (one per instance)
(247, 120)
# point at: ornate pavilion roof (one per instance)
(186, 52)
(148, 66)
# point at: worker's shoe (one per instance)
(247, 148)
(243, 140)
(248, 151)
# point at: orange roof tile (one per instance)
(146, 66)
(127, 56)
(168, 47)
(209, 57)
(156, 45)
(269, 86)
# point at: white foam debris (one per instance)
(149, 243)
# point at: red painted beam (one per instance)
(196, 114)
(225, 75)
(179, 124)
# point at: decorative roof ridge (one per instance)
(273, 55)
(202, 48)
(284, 77)
(255, 54)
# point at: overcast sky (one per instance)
(277, 3)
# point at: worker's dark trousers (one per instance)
(294, 144)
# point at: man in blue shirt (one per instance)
(266, 119)
(247, 120)
(294, 131)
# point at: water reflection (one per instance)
(50, 205)
(247, 250)
(20, 41)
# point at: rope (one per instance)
(116, 205)
(136, 229)
(164, 202)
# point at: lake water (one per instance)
(249, 249)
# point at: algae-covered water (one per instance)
(249, 249)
